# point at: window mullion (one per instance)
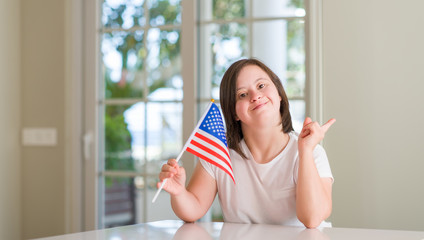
(313, 60)
(189, 75)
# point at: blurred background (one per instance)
(97, 95)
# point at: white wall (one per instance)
(373, 84)
(10, 177)
(43, 104)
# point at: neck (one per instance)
(265, 143)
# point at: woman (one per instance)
(282, 178)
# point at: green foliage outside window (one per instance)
(118, 138)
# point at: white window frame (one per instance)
(82, 55)
(73, 116)
(313, 43)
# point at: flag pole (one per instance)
(184, 148)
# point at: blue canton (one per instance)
(213, 124)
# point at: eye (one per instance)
(262, 85)
(242, 95)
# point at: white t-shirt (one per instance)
(263, 193)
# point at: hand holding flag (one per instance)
(175, 176)
(208, 142)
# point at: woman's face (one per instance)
(257, 99)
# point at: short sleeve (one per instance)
(321, 162)
(208, 167)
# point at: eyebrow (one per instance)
(257, 80)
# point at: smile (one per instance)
(259, 106)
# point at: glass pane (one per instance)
(135, 118)
(127, 139)
(164, 133)
(123, 14)
(163, 12)
(120, 206)
(297, 111)
(295, 59)
(123, 58)
(222, 9)
(164, 65)
(278, 8)
(118, 139)
(221, 46)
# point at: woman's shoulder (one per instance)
(293, 135)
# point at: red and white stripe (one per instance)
(212, 150)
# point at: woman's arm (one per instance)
(313, 193)
(189, 203)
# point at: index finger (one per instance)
(328, 124)
(172, 162)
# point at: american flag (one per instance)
(208, 141)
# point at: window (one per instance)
(147, 95)
(140, 106)
(271, 30)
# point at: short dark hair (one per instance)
(228, 101)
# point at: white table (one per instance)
(178, 230)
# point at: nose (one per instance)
(254, 96)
